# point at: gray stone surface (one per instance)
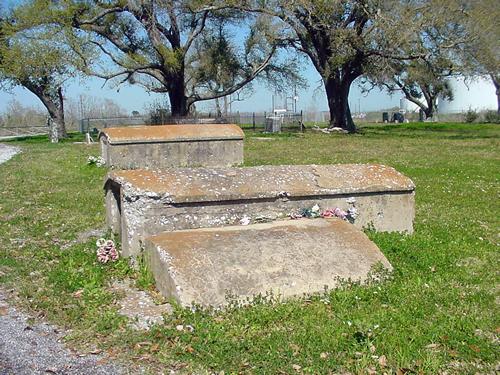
(289, 258)
(139, 307)
(142, 203)
(7, 152)
(29, 349)
(166, 146)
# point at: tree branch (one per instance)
(195, 98)
(101, 15)
(196, 31)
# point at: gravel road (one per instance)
(37, 349)
(7, 152)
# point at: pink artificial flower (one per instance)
(340, 213)
(106, 251)
(328, 213)
(102, 256)
(113, 254)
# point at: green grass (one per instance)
(437, 312)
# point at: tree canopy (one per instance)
(440, 41)
(38, 58)
(196, 50)
(161, 45)
(481, 55)
(344, 38)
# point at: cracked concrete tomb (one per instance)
(287, 258)
(141, 203)
(163, 146)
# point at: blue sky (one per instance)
(479, 94)
(134, 97)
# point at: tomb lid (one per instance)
(189, 185)
(171, 133)
(289, 257)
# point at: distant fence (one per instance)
(251, 120)
(257, 121)
(22, 131)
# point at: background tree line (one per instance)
(198, 50)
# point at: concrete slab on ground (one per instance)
(289, 258)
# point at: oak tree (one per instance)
(38, 59)
(152, 43)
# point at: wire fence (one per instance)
(22, 131)
(258, 121)
(247, 120)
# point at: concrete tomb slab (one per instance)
(163, 146)
(140, 203)
(289, 258)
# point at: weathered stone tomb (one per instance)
(287, 258)
(141, 203)
(187, 145)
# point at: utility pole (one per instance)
(295, 99)
(82, 114)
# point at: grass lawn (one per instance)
(438, 312)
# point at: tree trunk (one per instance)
(226, 105)
(429, 112)
(428, 108)
(430, 98)
(496, 82)
(179, 105)
(54, 103)
(53, 133)
(56, 113)
(217, 108)
(337, 92)
(498, 100)
(60, 119)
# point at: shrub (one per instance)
(470, 116)
(492, 117)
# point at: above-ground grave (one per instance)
(142, 202)
(166, 146)
(211, 231)
(289, 257)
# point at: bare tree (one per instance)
(18, 115)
